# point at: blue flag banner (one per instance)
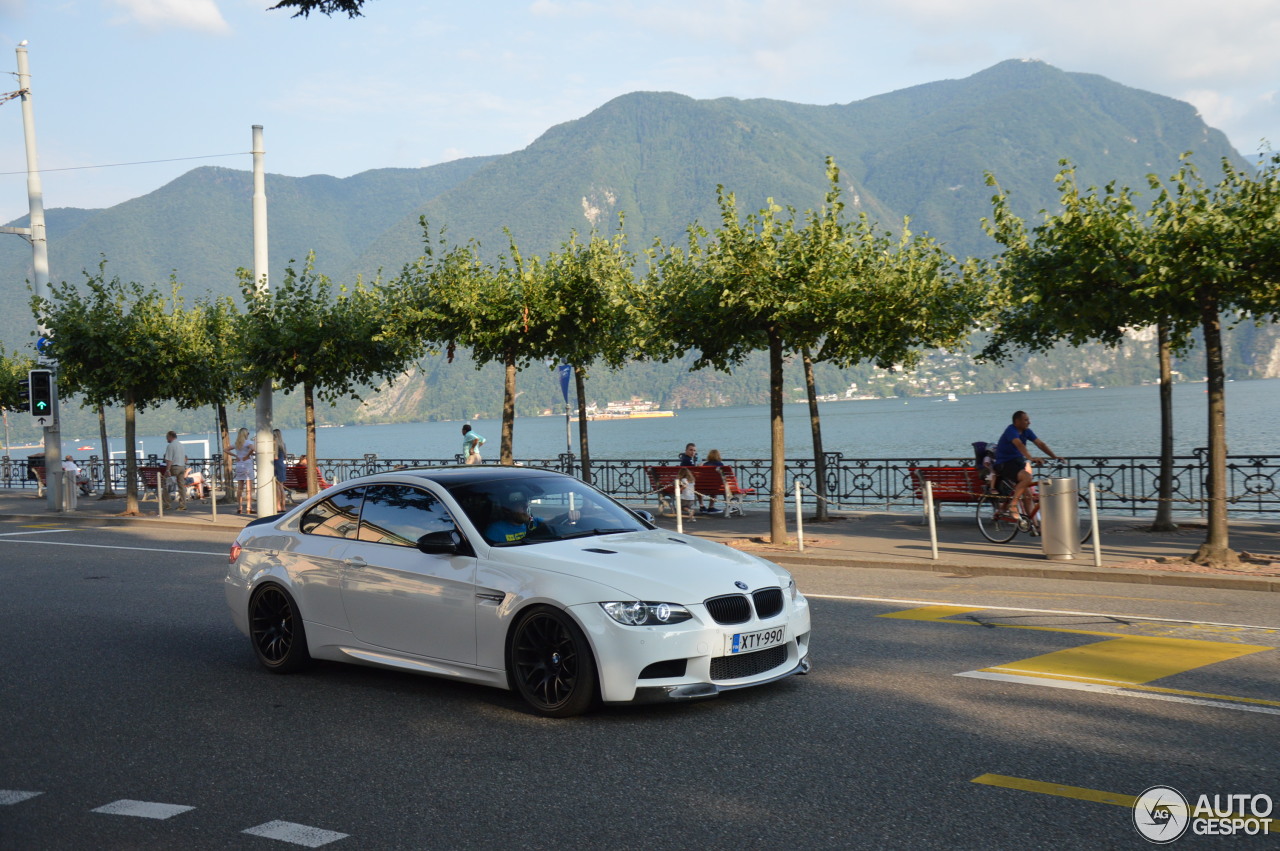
(565, 371)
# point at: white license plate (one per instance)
(749, 642)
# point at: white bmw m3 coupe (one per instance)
(517, 578)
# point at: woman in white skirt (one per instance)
(242, 470)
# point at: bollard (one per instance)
(69, 490)
(1059, 519)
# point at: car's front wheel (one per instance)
(275, 627)
(551, 664)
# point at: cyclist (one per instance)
(1013, 459)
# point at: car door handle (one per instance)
(355, 562)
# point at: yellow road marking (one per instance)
(1058, 789)
(1122, 662)
(933, 613)
(1079, 793)
(1127, 661)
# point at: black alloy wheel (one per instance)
(551, 664)
(275, 627)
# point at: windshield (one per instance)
(532, 509)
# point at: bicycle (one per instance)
(998, 526)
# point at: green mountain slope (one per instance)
(657, 157)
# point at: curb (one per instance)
(1092, 574)
(1089, 574)
(121, 520)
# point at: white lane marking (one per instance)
(109, 547)
(13, 796)
(298, 834)
(1116, 690)
(142, 809)
(1033, 611)
(32, 532)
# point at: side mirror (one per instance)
(440, 543)
(643, 515)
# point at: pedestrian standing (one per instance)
(175, 465)
(471, 443)
(277, 464)
(242, 470)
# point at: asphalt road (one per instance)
(124, 681)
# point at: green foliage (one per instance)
(13, 369)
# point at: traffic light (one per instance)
(41, 395)
(24, 395)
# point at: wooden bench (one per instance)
(295, 479)
(950, 484)
(711, 482)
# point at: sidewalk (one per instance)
(853, 540)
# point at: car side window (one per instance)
(401, 514)
(335, 517)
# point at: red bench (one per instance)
(295, 479)
(152, 477)
(950, 484)
(711, 482)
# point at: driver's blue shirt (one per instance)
(508, 532)
(1005, 450)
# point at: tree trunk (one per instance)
(507, 456)
(778, 488)
(1164, 509)
(131, 505)
(580, 385)
(309, 405)
(815, 425)
(1215, 550)
(228, 477)
(108, 490)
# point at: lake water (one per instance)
(1114, 421)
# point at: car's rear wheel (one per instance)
(551, 664)
(275, 627)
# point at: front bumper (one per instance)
(688, 661)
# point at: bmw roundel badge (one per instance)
(741, 584)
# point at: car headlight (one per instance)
(637, 613)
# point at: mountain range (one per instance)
(656, 158)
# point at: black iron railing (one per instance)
(1125, 485)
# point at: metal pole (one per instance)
(264, 445)
(1093, 521)
(40, 271)
(799, 519)
(933, 520)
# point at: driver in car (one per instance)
(515, 522)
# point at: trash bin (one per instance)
(1059, 519)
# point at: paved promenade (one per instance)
(853, 540)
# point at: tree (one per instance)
(304, 8)
(1201, 251)
(13, 369)
(838, 288)
(303, 334)
(1079, 278)
(590, 323)
(145, 338)
(506, 313)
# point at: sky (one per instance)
(127, 95)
